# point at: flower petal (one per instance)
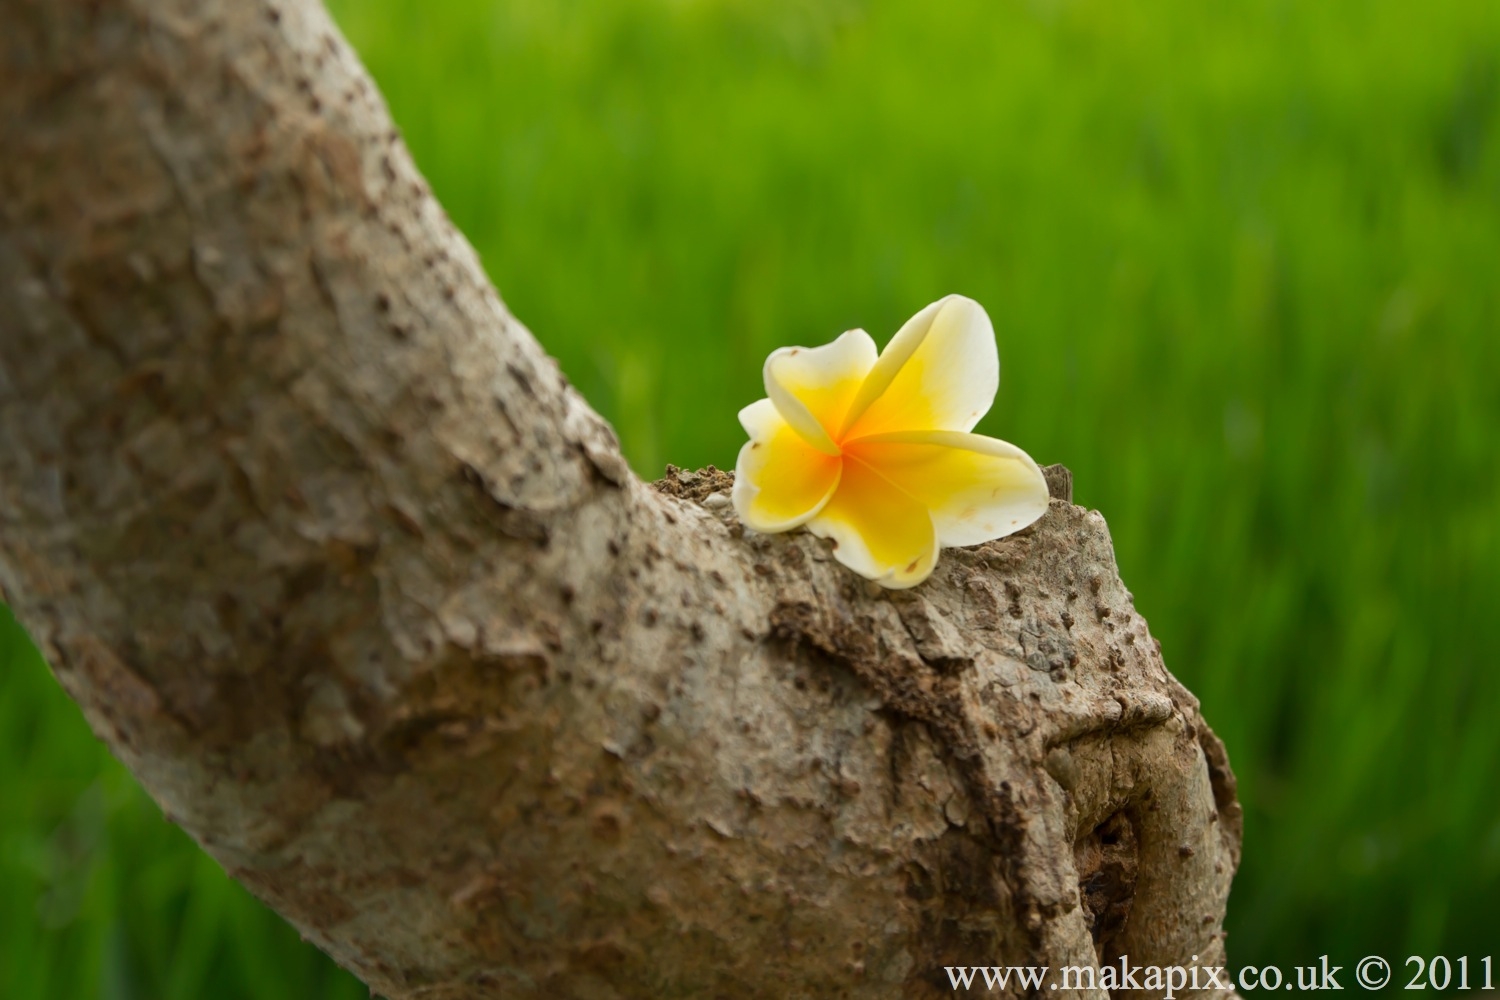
(813, 386)
(878, 531)
(975, 488)
(939, 372)
(780, 480)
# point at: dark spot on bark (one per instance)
(1107, 861)
(408, 524)
(522, 382)
(606, 823)
(516, 522)
(383, 302)
(228, 608)
(919, 883)
(1013, 597)
(956, 879)
(303, 581)
(200, 495)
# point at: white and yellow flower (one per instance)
(874, 452)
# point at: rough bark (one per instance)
(338, 564)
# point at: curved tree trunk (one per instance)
(364, 594)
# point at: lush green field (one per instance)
(1244, 264)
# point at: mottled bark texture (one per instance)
(335, 560)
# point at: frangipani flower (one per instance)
(874, 452)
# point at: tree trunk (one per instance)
(363, 593)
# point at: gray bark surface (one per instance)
(338, 564)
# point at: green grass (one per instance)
(1244, 265)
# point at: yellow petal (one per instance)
(939, 372)
(813, 386)
(780, 480)
(975, 488)
(878, 531)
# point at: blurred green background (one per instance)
(1244, 265)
